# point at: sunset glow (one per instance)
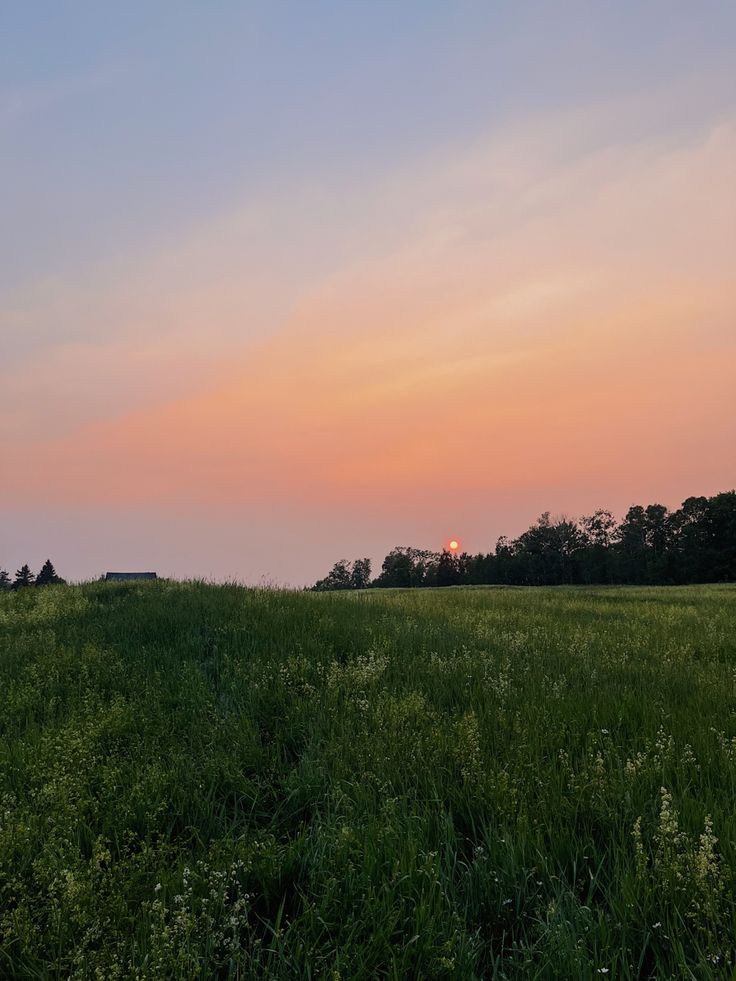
(247, 343)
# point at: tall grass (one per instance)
(213, 782)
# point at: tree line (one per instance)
(25, 578)
(650, 546)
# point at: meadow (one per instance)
(204, 781)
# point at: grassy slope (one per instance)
(201, 781)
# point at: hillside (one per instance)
(206, 781)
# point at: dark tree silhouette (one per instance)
(549, 547)
(5, 583)
(360, 575)
(448, 569)
(47, 576)
(346, 575)
(339, 577)
(598, 530)
(720, 532)
(23, 578)
(406, 566)
(631, 546)
(696, 543)
(689, 531)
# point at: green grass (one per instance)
(212, 782)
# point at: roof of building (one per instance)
(117, 576)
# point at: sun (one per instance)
(454, 545)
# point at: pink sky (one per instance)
(543, 317)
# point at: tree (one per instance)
(689, 530)
(448, 569)
(405, 566)
(696, 543)
(360, 575)
(599, 528)
(478, 569)
(346, 575)
(4, 581)
(47, 576)
(507, 567)
(398, 570)
(23, 577)
(721, 529)
(658, 542)
(598, 531)
(631, 546)
(339, 577)
(548, 550)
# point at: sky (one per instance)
(284, 283)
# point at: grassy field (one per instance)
(212, 782)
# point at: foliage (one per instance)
(23, 578)
(360, 574)
(47, 576)
(696, 543)
(346, 575)
(405, 566)
(213, 782)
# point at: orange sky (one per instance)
(527, 327)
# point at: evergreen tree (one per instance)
(23, 577)
(47, 576)
(4, 581)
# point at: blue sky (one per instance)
(122, 123)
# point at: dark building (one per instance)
(124, 576)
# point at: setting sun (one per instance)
(454, 545)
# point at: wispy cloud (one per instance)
(518, 313)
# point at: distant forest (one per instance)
(651, 546)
